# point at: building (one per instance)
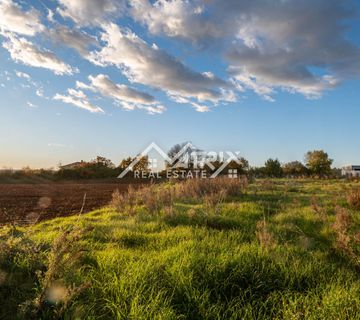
(351, 171)
(72, 166)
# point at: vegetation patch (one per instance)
(261, 252)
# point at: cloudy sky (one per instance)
(268, 78)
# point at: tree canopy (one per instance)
(318, 162)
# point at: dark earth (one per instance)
(30, 203)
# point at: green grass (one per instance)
(196, 263)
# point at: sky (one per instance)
(266, 78)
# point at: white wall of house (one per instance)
(349, 172)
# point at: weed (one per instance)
(54, 294)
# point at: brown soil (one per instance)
(28, 203)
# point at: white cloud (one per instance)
(200, 108)
(40, 92)
(14, 19)
(82, 85)
(78, 99)
(90, 12)
(125, 96)
(78, 40)
(50, 16)
(24, 75)
(297, 46)
(175, 18)
(152, 66)
(31, 105)
(159, 109)
(22, 50)
(120, 92)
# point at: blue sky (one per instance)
(86, 78)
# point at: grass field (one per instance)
(279, 249)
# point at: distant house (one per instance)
(72, 166)
(351, 171)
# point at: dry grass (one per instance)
(197, 189)
(353, 199)
(213, 200)
(264, 236)
(344, 239)
(318, 209)
(154, 198)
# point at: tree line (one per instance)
(316, 163)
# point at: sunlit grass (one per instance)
(198, 263)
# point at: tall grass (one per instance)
(155, 197)
(353, 198)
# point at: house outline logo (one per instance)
(174, 161)
(149, 148)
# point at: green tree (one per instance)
(273, 168)
(318, 162)
(294, 168)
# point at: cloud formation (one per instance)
(40, 93)
(73, 38)
(24, 75)
(89, 12)
(14, 19)
(31, 105)
(154, 67)
(22, 50)
(79, 99)
(175, 18)
(298, 46)
(263, 46)
(125, 96)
